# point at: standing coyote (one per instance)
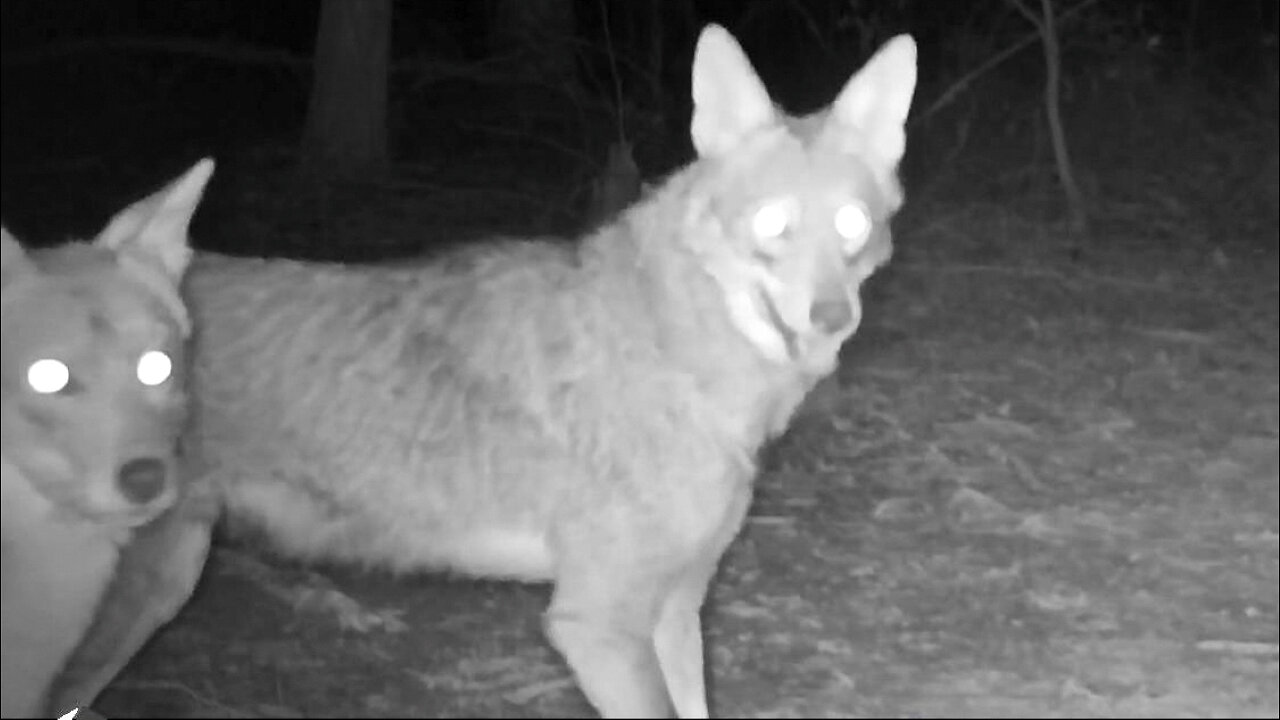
(93, 403)
(583, 414)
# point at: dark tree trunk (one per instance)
(346, 126)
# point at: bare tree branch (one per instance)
(1026, 13)
(959, 86)
(1048, 32)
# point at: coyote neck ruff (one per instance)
(587, 414)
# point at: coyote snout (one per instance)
(142, 480)
(832, 315)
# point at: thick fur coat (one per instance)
(588, 413)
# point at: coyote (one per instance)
(586, 414)
(93, 399)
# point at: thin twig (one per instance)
(819, 38)
(959, 86)
(1053, 112)
(1026, 13)
(613, 71)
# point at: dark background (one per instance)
(107, 98)
(1043, 481)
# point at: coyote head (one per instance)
(92, 359)
(790, 215)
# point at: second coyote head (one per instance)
(93, 345)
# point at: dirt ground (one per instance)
(1044, 483)
(1038, 487)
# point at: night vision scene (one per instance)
(640, 358)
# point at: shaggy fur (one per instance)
(87, 464)
(587, 414)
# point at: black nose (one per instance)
(142, 480)
(831, 316)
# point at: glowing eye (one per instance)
(48, 376)
(154, 367)
(854, 225)
(771, 221)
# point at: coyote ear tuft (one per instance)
(154, 229)
(14, 262)
(729, 101)
(875, 102)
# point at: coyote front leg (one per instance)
(156, 575)
(678, 638)
(603, 626)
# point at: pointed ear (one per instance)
(729, 101)
(14, 262)
(154, 229)
(874, 103)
